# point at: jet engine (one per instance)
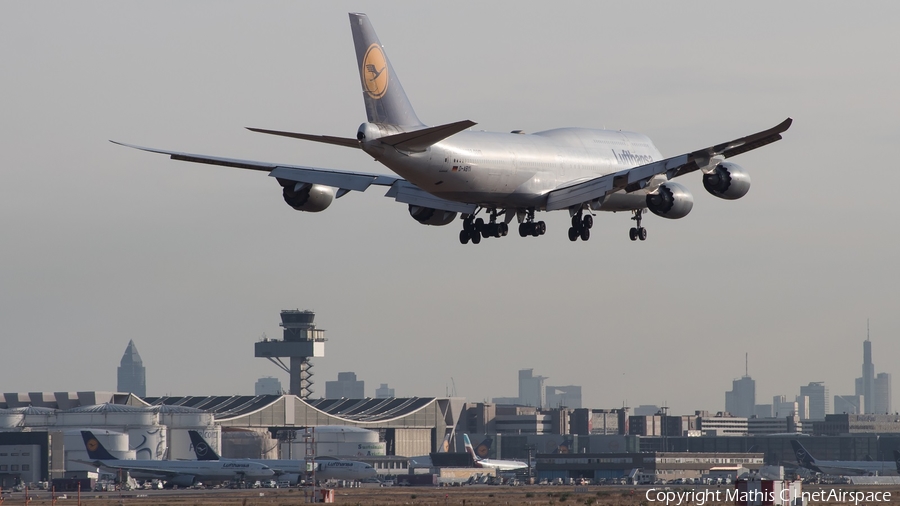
(181, 480)
(727, 181)
(429, 216)
(670, 200)
(308, 197)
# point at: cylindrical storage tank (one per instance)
(116, 443)
(146, 437)
(183, 417)
(11, 419)
(248, 444)
(37, 416)
(338, 441)
(108, 415)
(178, 420)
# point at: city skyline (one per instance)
(201, 258)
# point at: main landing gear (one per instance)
(531, 227)
(474, 229)
(638, 232)
(581, 226)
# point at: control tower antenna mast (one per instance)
(302, 341)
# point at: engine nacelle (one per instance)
(307, 197)
(429, 216)
(181, 480)
(727, 181)
(670, 200)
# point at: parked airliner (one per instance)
(500, 465)
(491, 178)
(290, 470)
(183, 473)
(844, 467)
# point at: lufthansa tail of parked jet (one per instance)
(201, 448)
(803, 457)
(95, 450)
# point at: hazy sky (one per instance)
(102, 244)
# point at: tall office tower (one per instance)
(819, 401)
(568, 396)
(531, 388)
(741, 399)
(267, 386)
(384, 392)
(850, 404)
(882, 401)
(782, 407)
(346, 386)
(868, 376)
(803, 407)
(132, 377)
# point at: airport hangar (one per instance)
(251, 426)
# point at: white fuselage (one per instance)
(343, 470)
(501, 465)
(202, 470)
(502, 170)
(856, 467)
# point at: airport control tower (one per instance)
(302, 341)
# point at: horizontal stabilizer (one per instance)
(327, 139)
(418, 140)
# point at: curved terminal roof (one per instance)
(107, 408)
(223, 406)
(356, 410)
(290, 410)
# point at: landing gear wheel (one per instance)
(476, 238)
(542, 227)
(523, 229)
(633, 234)
(504, 229)
(464, 236)
(588, 222)
(576, 220)
(573, 234)
(479, 224)
(642, 234)
(585, 234)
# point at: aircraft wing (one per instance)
(636, 178)
(162, 473)
(344, 180)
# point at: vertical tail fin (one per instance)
(201, 448)
(803, 457)
(564, 447)
(445, 445)
(383, 94)
(469, 449)
(95, 450)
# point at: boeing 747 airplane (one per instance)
(500, 465)
(492, 178)
(845, 467)
(183, 473)
(291, 470)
